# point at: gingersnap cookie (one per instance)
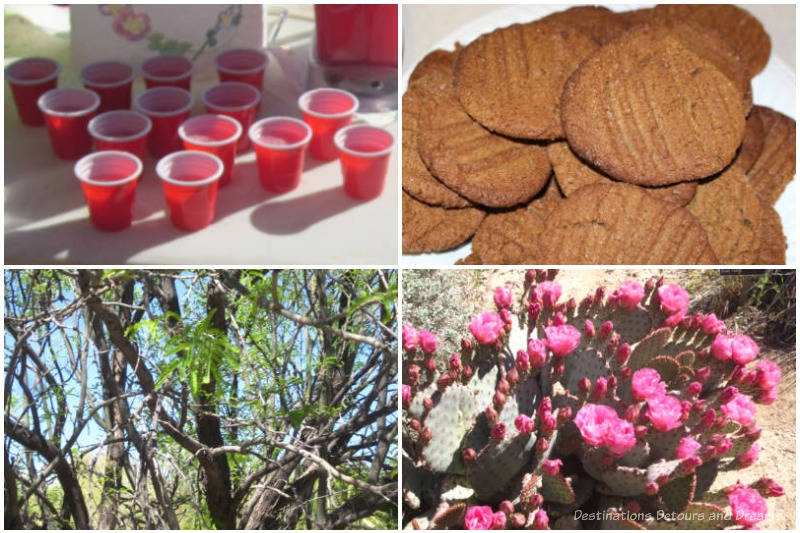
(437, 61)
(621, 224)
(752, 143)
(417, 180)
(485, 168)
(636, 17)
(598, 23)
(471, 259)
(775, 166)
(741, 29)
(510, 80)
(646, 109)
(731, 213)
(773, 240)
(435, 229)
(572, 173)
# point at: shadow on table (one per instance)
(295, 215)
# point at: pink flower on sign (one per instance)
(646, 383)
(745, 349)
(722, 347)
(769, 374)
(479, 517)
(410, 338)
(687, 447)
(548, 292)
(562, 340)
(674, 299)
(664, 412)
(620, 437)
(740, 409)
(502, 297)
(427, 341)
(711, 325)
(552, 467)
(747, 506)
(406, 394)
(630, 294)
(750, 456)
(486, 327)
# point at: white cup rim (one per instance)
(303, 102)
(232, 139)
(108, 85)
(338, 140)
(91, 109)
(264, 61)
(247, 86)
(97, 135)
(194, 153)
(137, 104)
(257, 125)
(176, 77)
(17, 81)
(116, 183)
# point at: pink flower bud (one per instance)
(498, 431)
(552, 467)
(584, 385)
(624, 373)
(708, 452)
(606, 328)
(693, 389)
(512, 376)
(466, 373)
(455, 362)
(548, 292)
(545, 406)
(469, 455)
(600, 388)
(558, 368)
(724, 446)
(549, 423)
(540, 520)
(406, 395)
(536, 353)
(502, 297)
(612, 382)
(640, 432)
(559, 319)
(466, 344)
(415, 425)
(691, 463)
(444, 381)
(525, 424)
(702, 374)
(728, 394)
(588, 328)
(651, 489)
(753, 433)
(517, 521)
(503, 386)
(522, 361)
(506, 507)
(425, 435)
(498, 345)
(542, 445)
(564, 415)
(768, 397)
(491, 414)
(768, 487)
(505, 316)
(498, 520)
(708, 418)
(613, 299)
(534, 309)
(427, 404)
(737, 375)
(599, 294)
(499, 400)
(586, 303)
(413, 374)
(623, 353)
(631, 413)
(536, 501)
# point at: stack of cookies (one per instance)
(594, 137)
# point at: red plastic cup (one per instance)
(67, 112)
(168, 71)
(242, 64)
(213, 134)
(190, 181)
(326, 111)
(112, 81)
(108, 180)
(236, 100)
(122, 130)
(280, 145)
(167, 107)
(30, 78)
(364, 152)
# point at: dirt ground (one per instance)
(778, 444)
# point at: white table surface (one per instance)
(426, 27)
(46, 220)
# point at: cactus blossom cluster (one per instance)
(623, 405)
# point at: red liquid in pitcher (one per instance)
(357, 34)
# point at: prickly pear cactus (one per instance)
(615, 411)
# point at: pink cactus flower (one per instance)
(548, 423)
(664, 412)
(673, 298)
(562, 340)
(747, 506)
(646, 383)
(523, 363)
(427, 341)
(620, 437)
(486, 327)
(745, 349)
(541, 520)
(769, 374)
(687, 447)
(722, 347)
(410, 338)
(768, 397)
(711, 325)
(674, 320)
(750, 456)
(479, 517)
(592, 421)
(498, 520)
(524, 423)
(505, 316)
(740, 409)
(536, 353)
(406, 394)
(724, 446)
(502, 297)
(630, 294)
(498, 431)
(548, 292)
(768, 487)
(552, 467)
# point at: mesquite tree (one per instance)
(199, 399)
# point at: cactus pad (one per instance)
(450, 419)
(584, 362)
(557, 489)
(498, 463)
(676, 495)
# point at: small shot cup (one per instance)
(167, 108)
(108, 180)
(234, 99)
(213, 134)
(190, 180)
(280, 145)
(122, 130)
(364, 153)
(242, 64)
(112, 81)
(67, 112)
(168, 71)
(29, 79)
(326, 110)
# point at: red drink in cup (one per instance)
(168, 71)
(167, 107)
(108, 180)
(190, 181)
(67, 113)
(213, 134)
(280, 145)
(242, 64)
(122, 130)
(364, 152)
(29, 79)
(326, 111)
(112, 81)
(236, 100)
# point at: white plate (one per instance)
(773, 87)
